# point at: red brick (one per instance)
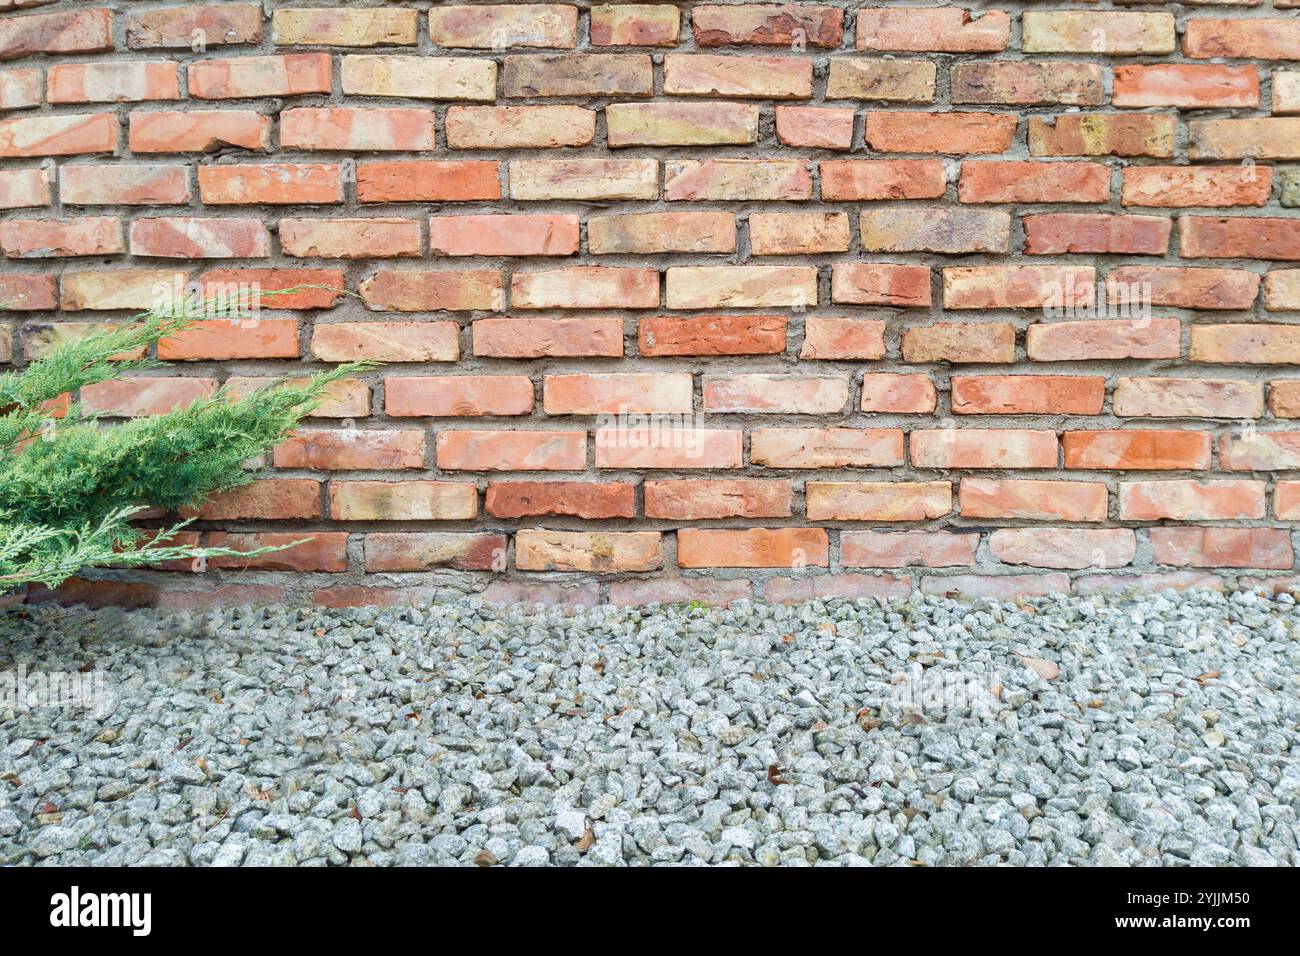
(826, 447)
(767, 24)
(323, 551)
(63, 135)
(735, 179)
(617, 393)
(506, 25)
(49, 238)
(880, 284)
(1027, 83)
(592, 551)
(232, 339)
(1032, 499)
(529, 337)
(692, 499)
(1186, 86)
(1063, 233)
(898, 393)
(877, 500)
(907, 549)
(1223, 547)
(1133, 449)
(25, 188)
(410, 290)
(129, 81)
(833, 337)
(1027, 394)
(425, 551)
(763, 77)
(982, 448)
(127, 185)
(386, 341)
(941, 30)
(511, 234)
(951, 231)
(1262, 38)
(753, 548)
(960, 342)
(131, 397)
(1221, 237)
(428, 181)
(1015, 181)
(457, 396)
(798, 233)
(351, 450)
(178, 27)
(711, 335)
(668, 446)
(1255, 138)
(1104, 339)
(1189, 500)
(1067, 548)
(188, 237)
(856, 179)
(632, 24)
(72, 31)
(1187, 398)
(271, 288)
(815, 127)
(270, 184)
(693, 591)
(776, 394)
(1186, 288)
(1246, 344)
(345, 398)
(512, 451)
(1182, 186)
(579, 499)
(518, 127)
(264, 499)
(1259, 451)
(1286, 501)
(405, 500)
(356, 128)
(249, 77)
(914, 132)
(198, 131)
(1102, 134)
(350, 238)
(1018, 287)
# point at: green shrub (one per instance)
(69, 486)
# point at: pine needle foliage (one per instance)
(70, 486)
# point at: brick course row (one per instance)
(873, 267)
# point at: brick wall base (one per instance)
(690, 301)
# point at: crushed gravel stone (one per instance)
(1156, 730)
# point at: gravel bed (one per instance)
(1159, 730)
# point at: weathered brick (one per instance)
(1222, 237)
(324, 551)
(1027, 83)
(279, 499)
(1067, 548)
(617, 393)
(386, 342)
(356, 128)
(457, 396)
(1186, 86)
(690, 499)
(567, 337)
(635, 24)
(1259, 450)
(907, 549)
(462, 450)
(1223, 547)
(1136, 449)
(1179, 186)
(1262, 38)
(191, 237)
(669, 447)
(48, 238)
(198, 131)
(417, 77)
(1061, 233)
(71, 31)
(1184, 288)
(767, 24)
(132, 397)
(270, 288)
(432, 291)
(519, 127)
(1028, 394)
(1187, 398)
(848, 586)
(577, 74)
(982, 448)
(681, 124)
(1102, 134)
(1149, 583)
(853, 179)
(33, 293)
(26, 188)
(1282, 290)
(815, 127)
(503, 235)
(586, 287)
(345, 398)
(1032, 499)
(711, 335)
(493, 27)
(906, 393)
(270, 184)
(1246, 344)
(835, 337)
(950, 231)
(739, 287)
(222, 339)
(407, 500)
(1266, 138)
(1016, 181)
(735, 179)
(428, 181)
(880, 284)
(82, 184)
(593, 551)
(351, 449)
(660, 232)
(116, 289)
(753, 548)
(903, 131)
(343, 27)
(546, 594)
(826, 447)
(877, 500)
(885, 81)
(1109, 33)
(785, 394)
(579, 499)
(939, 30)
(63, 135)
(40, 339)
(128, 81)
(350, 238)
(798, 233)
(960, 342)
(584, 179)
(425, 551)
(1017, 287)
(248, 77)
(764, 78)
(1104, 339)
(1286, 501)
(692, 591)
(1284, 398)
(179, 27)
(1191, 500)
(1286, 92)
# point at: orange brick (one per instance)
(48, 238)
(767, 24)
(512, 450)
(128, 81)
(356, 128)
(351, 449)
(131, 397)
(783, 394)
(263, 499)
(64, 135)
(1187, 398)
(1222, 237)
(270, 288)
(270, 184)
(323, 551)
(386, 341)
(198, 131)
(690, 499)
(635, 24)
(1102, 134)
(753, 548)
(877, 500)
(579, 499)
(71, 31)
(503, 235)
(815, 127)
(1185, 288)
(856, 179)
(982, 448)
(1246, 344)
(126, 185)
(908, 393)
(1223, 547)
(1027, 394)
(1262, 138)
(592, 551)
(350, 238)
(1133, 449)
(428, 181)
(915, 132)
(826, 447)
(249, 77)
(712, 335)
(941, 30)
(1014, 181)
(189, 237)
(735, 180)
(1063, 233)
(1104, 339)
(906, 549)
(458, 396)
(1018, 287)
(1262, 38)
(1188, 500)
(617, 393)
(668, 446)
(425, 551)
(25, 188)
(232, 339)
(529, 337)
(1032, 500)
(833, 337)
(1179, 186)
(1186, 86)
(581, 179)
(1068, 548)
(177, 27)
(518, 127)
(1259, 451)
(880, 284)
(345, 398)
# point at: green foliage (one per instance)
(69, 487)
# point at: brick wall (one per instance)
(693, 301)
